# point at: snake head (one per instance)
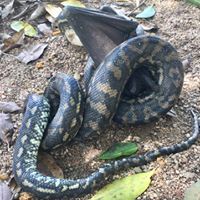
(99, 30)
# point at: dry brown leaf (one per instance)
(25, 196)
(6, 127)
(4, 177)
(48, 166)
(13, 42)
(32, 53)
(5, 192)
(9, 107)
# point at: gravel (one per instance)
(178, 23)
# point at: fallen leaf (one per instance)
(147, 26)
(3, 177)
(128, 188)
(5, 192)
(13, 42)
(17, 25)
(9, 107)
(32, 53)
(193, 192)
(25, 196)
(195, 2)
(118, 150)
(75, 3)
(48, 166)
(29, 30)
(43, 28)
(39, 11)
(6, 127)
(147, 12)
(7, 10)
(50, 18)
(53, 10)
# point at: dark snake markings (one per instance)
(104, 103)
(28, 143)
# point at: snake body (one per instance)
(26, 151)
(104, 102)
(109, 80)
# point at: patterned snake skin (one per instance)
(26, 151)
(103, 103)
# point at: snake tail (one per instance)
(26, 150)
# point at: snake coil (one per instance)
(63, 111)
(103, 100)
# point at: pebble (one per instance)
(66, 58)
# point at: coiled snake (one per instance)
(102, 104)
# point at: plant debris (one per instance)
(32, 53)
(6, 127)
(5, 192)
(147, 13)
(9, 107)
(128, 188)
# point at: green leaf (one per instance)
(193, 192)
(29, 30)
(147, 12)
(17, 25)
(118, 150)
(195, 2)
(128, 188)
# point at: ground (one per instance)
(178, 23)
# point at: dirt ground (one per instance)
(179, 23)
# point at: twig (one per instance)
(132, 12)
(21, 13)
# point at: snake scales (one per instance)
(102, 104)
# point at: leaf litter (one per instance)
(5, 192)
(9, 107)
(6, 127)
(32, 53)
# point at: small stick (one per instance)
(132, 12)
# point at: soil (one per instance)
(179, 23)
